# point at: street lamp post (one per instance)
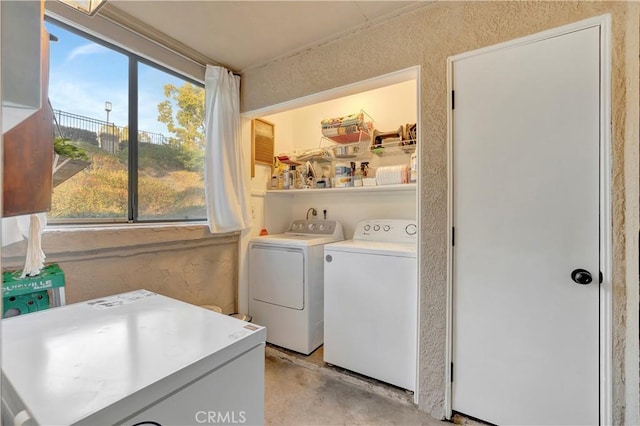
(109, 130)
(107, 107)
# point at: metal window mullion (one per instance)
(133, 139)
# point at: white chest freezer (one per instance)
(132, 358)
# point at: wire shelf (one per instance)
(348, 129)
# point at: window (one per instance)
(141, 126)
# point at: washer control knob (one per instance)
(376, 227)
(411, 229)
(311, 227)
(321, 227)
(367, 227)
(386, 228)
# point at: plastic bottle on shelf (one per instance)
(413, 167)
(342, 175)
(295, 180)
(357, 176)
(368, 174)
(364, 168)
(286, 178)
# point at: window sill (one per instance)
(89, 241)
(80, 227)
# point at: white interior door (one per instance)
(526, 138)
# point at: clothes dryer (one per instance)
(286, 283)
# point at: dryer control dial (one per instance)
(386, 230)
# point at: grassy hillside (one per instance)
(170, 185)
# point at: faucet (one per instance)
(313, 211)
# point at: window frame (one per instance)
(132, 160)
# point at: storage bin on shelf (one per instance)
(393, 147)
(354, 150)
(348, 137)
(401, 141)
(348, 129)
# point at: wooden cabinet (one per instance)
(28, 154)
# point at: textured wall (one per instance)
(183, 262)
(632, 219)
(426, 37)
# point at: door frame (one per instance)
(606, 298)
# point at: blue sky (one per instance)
(83, 75)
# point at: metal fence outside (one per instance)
(103, 134)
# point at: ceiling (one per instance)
(241, 35)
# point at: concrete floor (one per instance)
(304, 391)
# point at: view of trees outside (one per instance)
(171, 174)
(89, 92)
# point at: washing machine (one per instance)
(371, 302)
(286, 280)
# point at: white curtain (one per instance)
(225, 187)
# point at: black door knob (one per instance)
(581, 276)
